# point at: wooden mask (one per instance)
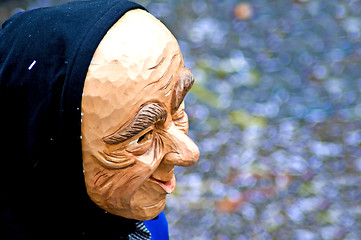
(134, 128)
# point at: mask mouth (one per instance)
(168, 186)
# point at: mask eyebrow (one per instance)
(181, 88)
(148, 115)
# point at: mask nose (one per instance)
(182, 151)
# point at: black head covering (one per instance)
(44, 58)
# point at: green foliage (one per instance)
(244, 119)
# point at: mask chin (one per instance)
(148, 202)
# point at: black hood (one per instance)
(44, 58)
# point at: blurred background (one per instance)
(276, 113)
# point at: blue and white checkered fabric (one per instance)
(141, 233)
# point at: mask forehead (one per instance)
(135, 63)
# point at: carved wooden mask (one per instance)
(134, 128)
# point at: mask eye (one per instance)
(142, 139)
(142, 144)
(145, 137)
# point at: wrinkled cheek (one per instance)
(127, 183)
(122, 191)
(121, 188)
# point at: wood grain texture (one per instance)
(134, 128)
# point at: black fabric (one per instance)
(44, 57)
